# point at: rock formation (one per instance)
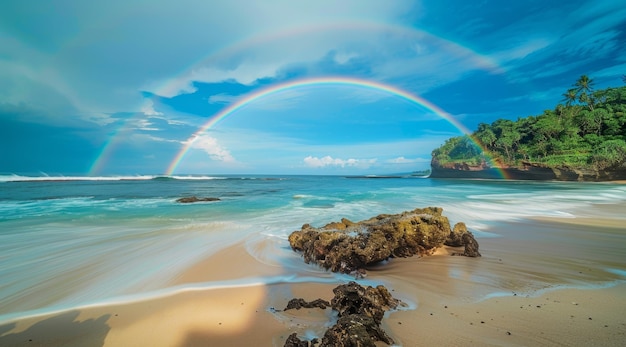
(355, 330)
(190, 199)
(360, 312)
(368, 301)
(349, 247)
(461, 237)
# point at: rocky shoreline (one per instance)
(350, 247)
(528, 171)
(360, 312)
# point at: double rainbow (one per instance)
(317, 81)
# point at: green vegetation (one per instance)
(587, 131)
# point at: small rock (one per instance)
(301, 303)
(352, 298)
(190, 199)
(294, 341)
(355, 330)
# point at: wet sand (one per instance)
(566, 317)
(540, 282)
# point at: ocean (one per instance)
(77, 241)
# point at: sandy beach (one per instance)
(507, 297)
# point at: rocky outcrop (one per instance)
(460, 236)
(527, 171)
(455, 238)
(360, 311)
(354, 299)
(349, 247)
(190, 199)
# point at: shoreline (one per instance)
(238, 314)
(596, 215)
(243, 315)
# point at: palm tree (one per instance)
(570, 96)
(584, 84)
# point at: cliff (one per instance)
(528, 171)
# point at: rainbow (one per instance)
(102, 157)
(107, 149)
(175, 84)
(317, 81)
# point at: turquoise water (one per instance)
(76, 241)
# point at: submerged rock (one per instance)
(190, 199)
(348, 247)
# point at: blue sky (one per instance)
(118, 87)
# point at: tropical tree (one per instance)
(570, 97)
(548, 126)
(609, 154)
(465, 148)
(485, 135)
(584, 84)
(591, 135)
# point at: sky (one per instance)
(279, 86)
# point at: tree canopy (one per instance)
(587, 131)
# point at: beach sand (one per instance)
(507, 297)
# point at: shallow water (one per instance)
(71, 242)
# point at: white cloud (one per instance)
(380, 47)
(344, 57)
(403, 160)
(211, 147)
(141, 139)
(579, 39)
(148, 108)
(282, 100)
(337, 162)
(108, 53)
(223, 98)
(523, 49)
(145, 125)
